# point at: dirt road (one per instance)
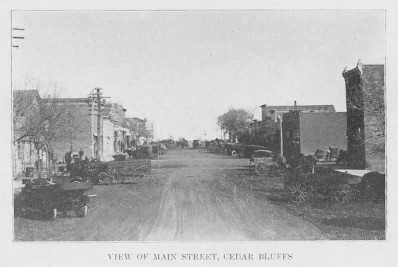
(190, 197)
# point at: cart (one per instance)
(323, 183)
(113, 172)
(48, 199)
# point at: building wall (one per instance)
(306, 132)
(373, 85)
(355, 120)
(108, 140)
(363, 82)
(24, 155)
(291, 134)
(322, 130)
(82, 139)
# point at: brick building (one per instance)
(116, 133)
(267, 131)
(365, 116)
(306, 132)
(113, 130)
(81, 135)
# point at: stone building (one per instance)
(365, 116)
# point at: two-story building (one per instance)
(267, 131)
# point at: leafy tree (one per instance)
(139, 128)
(234, 122)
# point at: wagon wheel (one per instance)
(298, 193)
(81, 211)
(262, 169)
(104, 178)
(343, 194)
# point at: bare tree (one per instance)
(371, 103)
(234, 122)
(43, 121)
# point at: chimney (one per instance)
(295, 105)
(263, 112)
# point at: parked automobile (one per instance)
(234, 149)
(248, 150)
(48, 199)
(263, 161)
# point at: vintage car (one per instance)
(43, 197)
(248, 150)
(234, 149)
(263, 161)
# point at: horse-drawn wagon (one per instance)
(117, 171)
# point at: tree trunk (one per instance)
(48, 164)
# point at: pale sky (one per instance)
(182, 69)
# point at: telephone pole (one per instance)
(97, 101)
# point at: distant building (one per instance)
(271, 112)
(115, 135)
(113, 129)
(365, 116)
(267, 131)
(306, 132)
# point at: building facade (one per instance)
(305, 133)
(24, 153)
(116, 133)
(366, 116)
(267, 131)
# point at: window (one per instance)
(20, 150)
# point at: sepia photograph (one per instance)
(198, 125)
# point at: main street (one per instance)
(190, 196)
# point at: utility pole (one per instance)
(97, 101)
